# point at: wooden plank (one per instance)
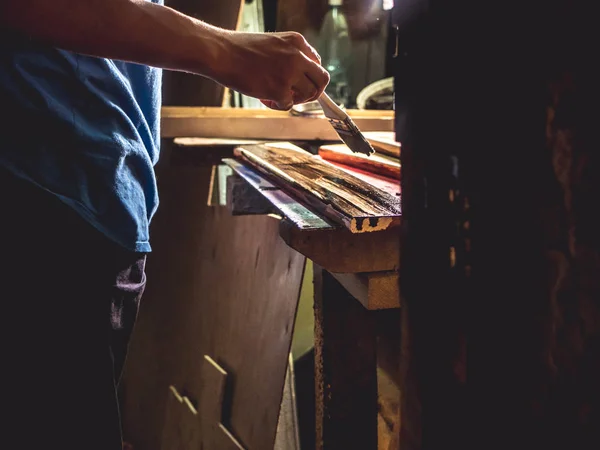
(261, 124)
(376, 163)
(378, 290)
(341, 251)
(339, 196)
(204, 142)
(217, 285)
(199, 112)
(302, 217)
(384, 142)
(388, 185)
(243, 199)
(346, 368)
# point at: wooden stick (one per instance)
(245, 123)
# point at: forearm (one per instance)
(280, 68)
(130, 30)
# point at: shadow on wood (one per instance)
(217, 285)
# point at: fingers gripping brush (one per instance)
(344, 126)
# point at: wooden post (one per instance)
(497, 114)
(346, 368)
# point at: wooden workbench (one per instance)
(194, 246)
(355, 278)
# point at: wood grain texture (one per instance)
(292, 210)
(218, 285)
(375, 291)
(344, 252)
(261, 124)
(386, 184)
(343, 198)
(375, 163)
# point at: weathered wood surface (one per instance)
(217, 285)
(375, 163)
(261, 124)
(292, 210)
(386, 184)
(343, 198)
(501, 252)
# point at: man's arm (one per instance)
(279, 68)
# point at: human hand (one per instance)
(280, 69)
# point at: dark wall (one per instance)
(497, 112)
(182, 89)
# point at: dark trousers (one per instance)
(69, 298)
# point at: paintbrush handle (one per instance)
(330, 108)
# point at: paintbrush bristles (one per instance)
(351, 135)
(344, 126)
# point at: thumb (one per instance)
(283, 103)
(280, 106)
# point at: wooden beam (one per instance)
(349, 201)
(341, 251)
(379, 290)
(244, 123)
(302, 217)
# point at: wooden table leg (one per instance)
(346, 368)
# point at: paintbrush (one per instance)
(344, 126)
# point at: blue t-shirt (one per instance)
(85, 129)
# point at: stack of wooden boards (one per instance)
(385, 161)
(355, 199)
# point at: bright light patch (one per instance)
(388, 4)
